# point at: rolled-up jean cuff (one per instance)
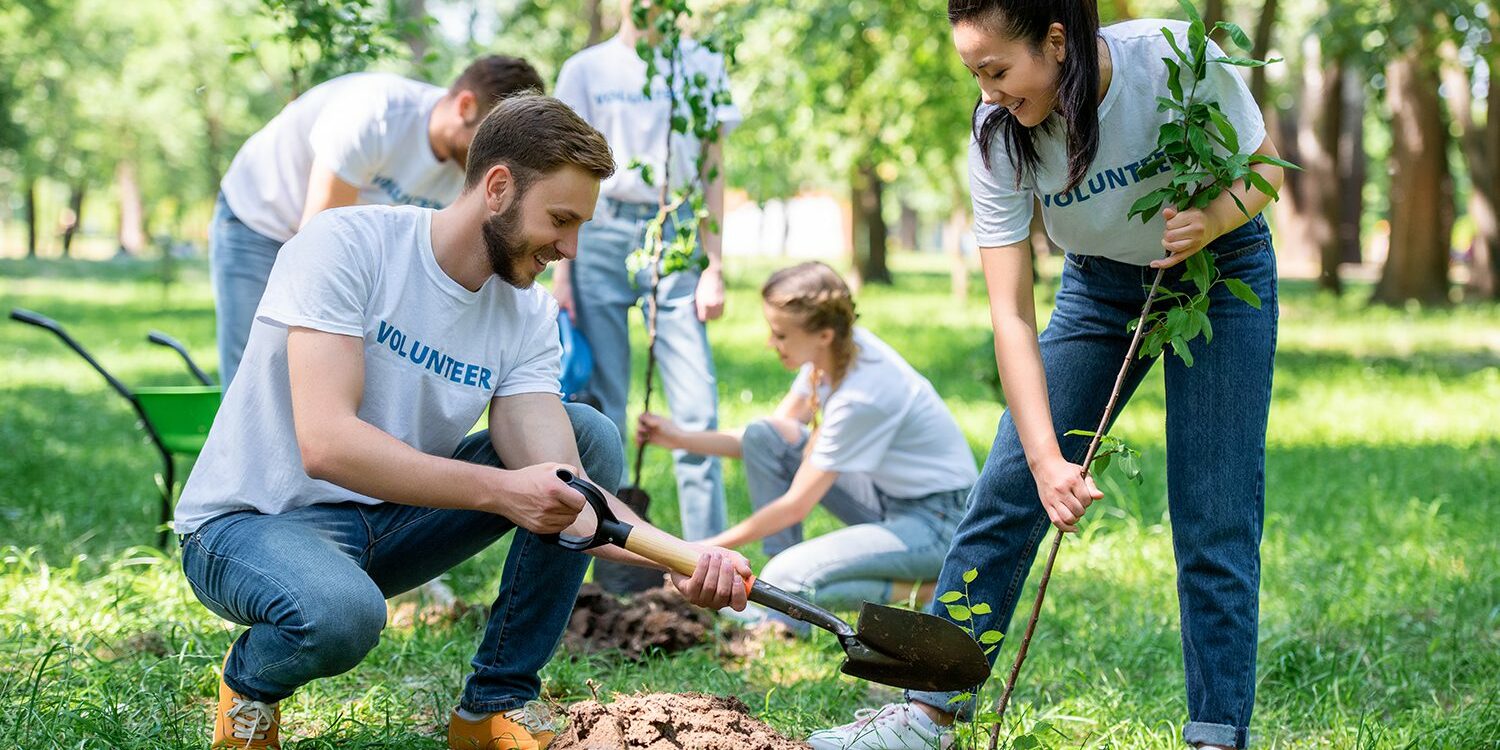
(1200, 733)
(943, 702)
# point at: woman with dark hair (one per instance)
(1068, 115)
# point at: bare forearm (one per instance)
(1019, 358)
(779, 515)
(359, 456)
(715, 443)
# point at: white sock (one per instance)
(469, 715)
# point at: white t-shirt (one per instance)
(435, 354)
(605, 83)
(886, 421)
(1091, 218)
(370, 129)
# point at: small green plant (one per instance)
(1202, 151)
(1113, 451)
(693, 100)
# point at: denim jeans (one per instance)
(311, 584)
(604, 295)
(239, 264)
(1216, 433)
(887, 539)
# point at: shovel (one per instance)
(896, 647)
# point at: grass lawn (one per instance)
(1381, 562)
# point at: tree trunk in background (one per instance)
(1421, 190)
(868, 224)
(414, 31)
(31, 228)
(1214, 11)
(1479, 155)
(953, 242)
(75, 206)
(1262, 43)
(909, 229)
(132, 213)
(595, 13)
(1319, 127)
(1352, 166)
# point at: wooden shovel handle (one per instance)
(658, 546)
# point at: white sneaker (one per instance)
(894, 726)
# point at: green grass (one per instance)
(1380, 607)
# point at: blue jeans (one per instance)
(604, 295)
(887, 539)
(239, 264)
(311, 584)
(1216, 437)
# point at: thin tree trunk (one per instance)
(132, 213)
(1352, 166)
(1213, 12)
(1318, 132)
(1416, 267)
(595, 13)
(414, 31)
(1262, 43)
(1481, 163)
(31, 228)
(868, 224)
(953, 245)
(75, 208)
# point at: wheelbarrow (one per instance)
(175, 418)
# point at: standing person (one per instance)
(1068, 113)
(604, 84)
(886, 457)
(359, 138)
(338, 472)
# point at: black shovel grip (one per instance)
(610, 530)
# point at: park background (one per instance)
(1381, 601)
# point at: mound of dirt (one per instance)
(656, 619)
(668, 721)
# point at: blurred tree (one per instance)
(1469, 62)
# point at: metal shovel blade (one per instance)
(913, 650)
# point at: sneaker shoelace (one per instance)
(535, 716)
(252, 720)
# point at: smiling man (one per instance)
(340, 471)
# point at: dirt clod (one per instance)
(659, 619)
(668, 721)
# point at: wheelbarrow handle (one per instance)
(157, 337)
(42, 321)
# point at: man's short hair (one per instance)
(495, 78)
(536, 135)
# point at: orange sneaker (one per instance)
(531, 727)
(245, 724)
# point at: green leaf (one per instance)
(1080, 433)
(1176, 50)
(1025, 742)
(1206, 327)
(1243, 291)
(990, 636)
(1180, 348)
(1244, 62)
(1241, 204)
(1174, 80)
(1259, 182)
(970, 575)
(951, 597)
(980, 609)
(1200, 271)
(1190, 10)
(1129, 466)
(1236, 34)
(958, 612)
(1266, 159)
(1101, 464)
(1231, 139)
(960, 698)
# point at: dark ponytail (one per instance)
(1077, 84)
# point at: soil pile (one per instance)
(668, 721)
(656, 619)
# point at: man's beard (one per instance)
(505, 246)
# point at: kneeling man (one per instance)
(340, 471)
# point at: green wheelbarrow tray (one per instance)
(180, 415)
(176, 419)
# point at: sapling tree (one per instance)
(693, 102)
(1201, 149)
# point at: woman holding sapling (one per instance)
(860, 432)
(1068, 114)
